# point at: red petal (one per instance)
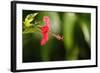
(45, 30)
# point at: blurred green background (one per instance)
(74, 27)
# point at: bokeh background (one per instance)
(74, 27)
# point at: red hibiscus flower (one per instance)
(45, 30)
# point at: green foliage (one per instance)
(69, 21)
(29, 18)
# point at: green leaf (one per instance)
(69, 24)
(29, 18)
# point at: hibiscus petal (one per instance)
(45, 30)
(43, 42)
